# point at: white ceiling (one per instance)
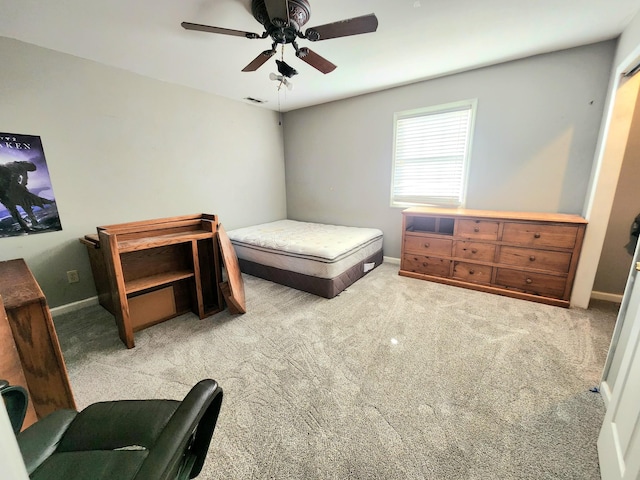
(416, 40)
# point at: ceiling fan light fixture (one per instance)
(282, 79)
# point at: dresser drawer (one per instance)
(478, 229)
(540, 259)
(474, 251)
(470, 272)
(427, 265)
(540, 235)
(536, 283)
(428, 245)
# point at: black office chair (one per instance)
(15, 399)
(125, 439)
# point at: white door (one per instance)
(620, 338)
(619, 441)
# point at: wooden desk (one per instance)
(30, 353)
(149, 271)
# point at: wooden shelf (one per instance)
(125, 246)
(158, 280)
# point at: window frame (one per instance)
(472, 105)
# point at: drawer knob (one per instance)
(472, 271)
(532, 258)
(426, 245)
(473, 250)
(529, 281)
(536, 235)
(476, 229)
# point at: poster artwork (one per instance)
(27, 204)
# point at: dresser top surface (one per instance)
(495, 214)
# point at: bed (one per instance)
(313, 257)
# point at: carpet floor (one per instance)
(395, 378)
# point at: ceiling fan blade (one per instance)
(257, 62)
(278, 11)
(315, 60)
(224, 31)
(343, 28)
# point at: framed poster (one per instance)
(27, 203)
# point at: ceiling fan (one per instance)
(283, 20)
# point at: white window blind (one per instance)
(431, 155)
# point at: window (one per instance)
(431, 155)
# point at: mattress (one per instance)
(295, 253)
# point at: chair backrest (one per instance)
(15, 399)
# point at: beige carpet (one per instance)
(395, 378)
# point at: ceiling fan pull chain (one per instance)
(279, 110)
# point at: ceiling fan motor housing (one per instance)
(299, 13)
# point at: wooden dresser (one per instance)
(30, 354)
(532, 256)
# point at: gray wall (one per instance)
(121, 147)
(536, 129)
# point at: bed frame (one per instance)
(323, 287)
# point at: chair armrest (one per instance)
(40, 440)
(200, 408)
(16, 401)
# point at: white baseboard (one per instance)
(72, 307)
(609, 297)
(605, 392)
(392, 260)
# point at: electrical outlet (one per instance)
(72, 276)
